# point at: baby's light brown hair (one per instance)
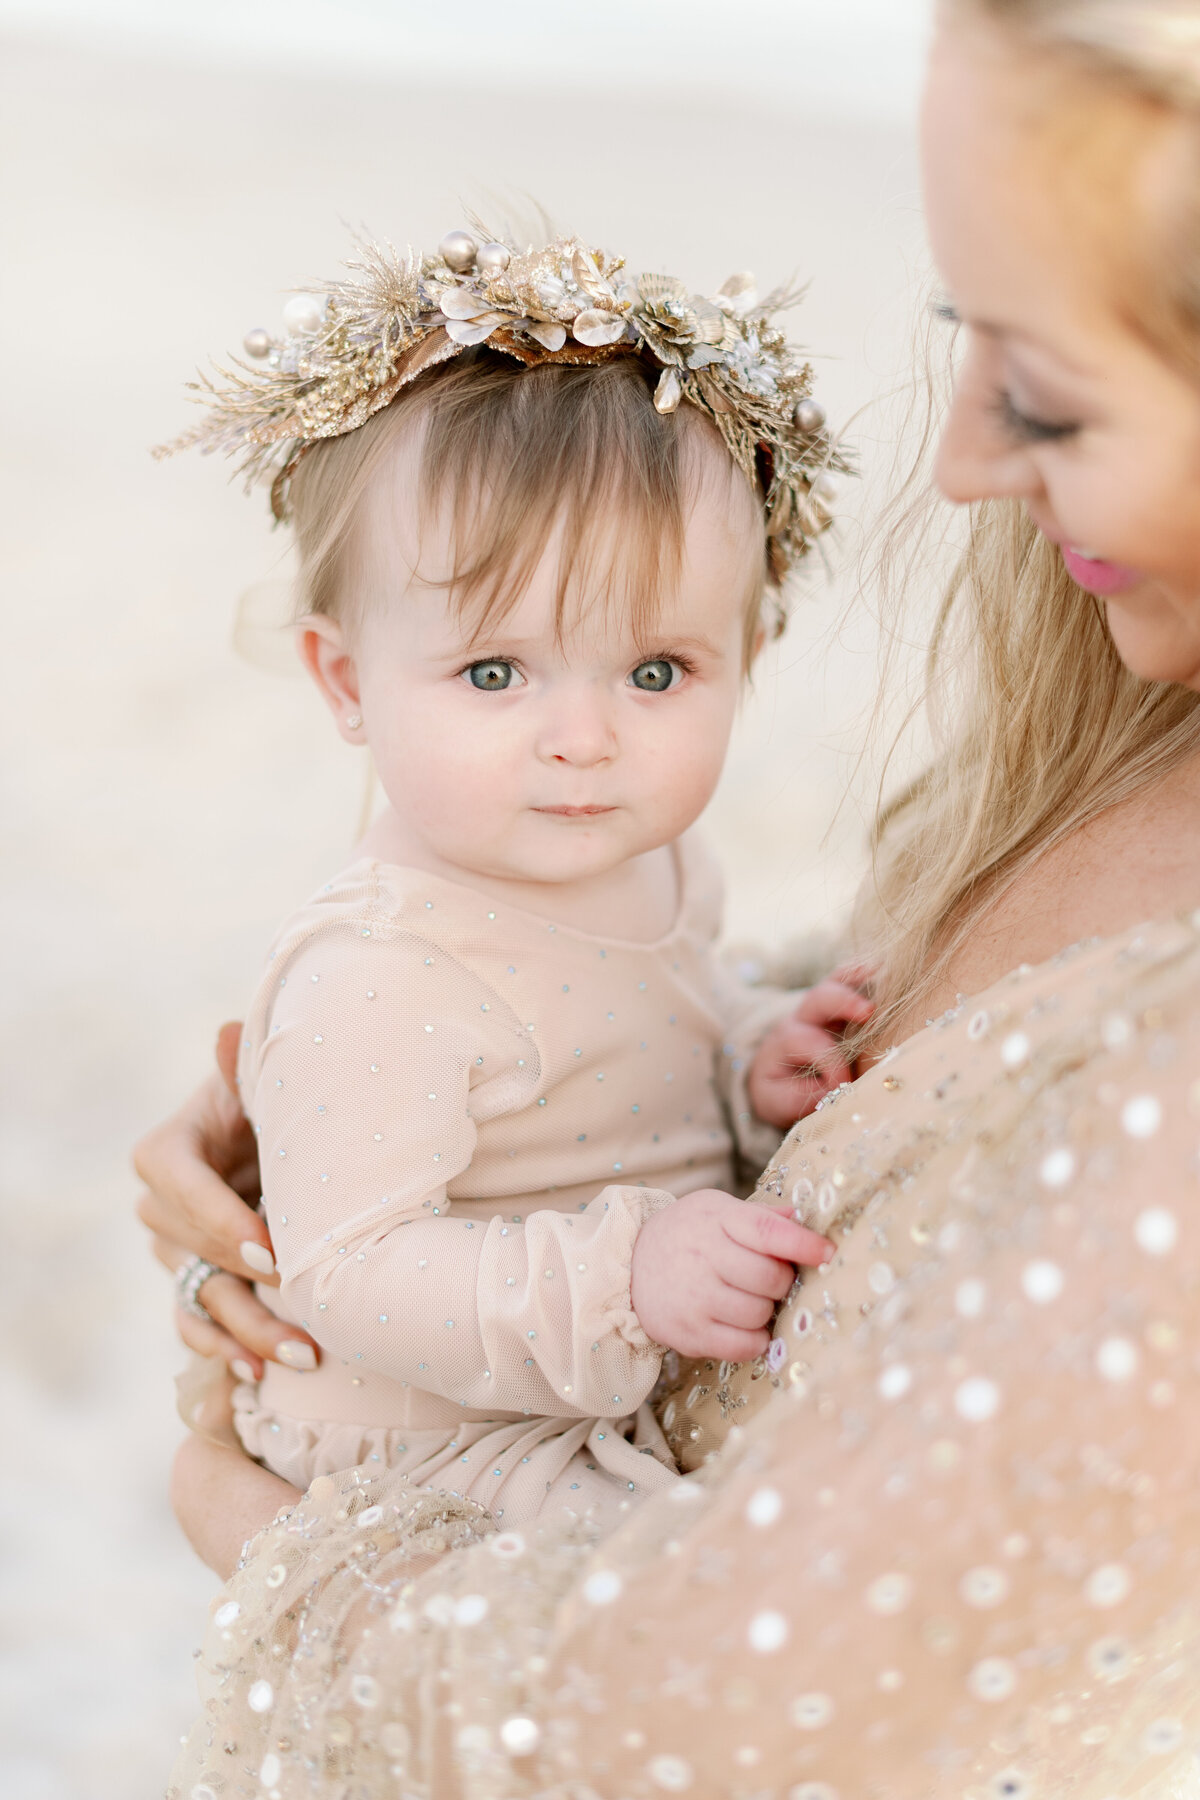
(517, 454)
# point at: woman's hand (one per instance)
(707, 1273)
(220, 1497)
(196, 1167)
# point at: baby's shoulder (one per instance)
(375, 918)
(379, 933)
(385, 901)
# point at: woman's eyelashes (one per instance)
(1025, 428)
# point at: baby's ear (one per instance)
(321, 642)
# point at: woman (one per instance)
(954, 1547)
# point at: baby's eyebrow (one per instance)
(679, 640)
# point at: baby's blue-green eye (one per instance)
(491, 677)
(655, 677)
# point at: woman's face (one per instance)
(1060, 402)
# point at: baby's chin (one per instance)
(553, 850)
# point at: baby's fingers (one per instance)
(753, 1272)
(746, 1312)
(727, 1343)
(776, 1234)
(835, 1002)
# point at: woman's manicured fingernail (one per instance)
(241, 1368)
(297, 1355)
(256, 1258)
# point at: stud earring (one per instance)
(354, 722)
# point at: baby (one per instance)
(499, 1079)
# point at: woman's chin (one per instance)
(1155, 638)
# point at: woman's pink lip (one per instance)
(1101, 578)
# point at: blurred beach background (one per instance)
(167, 171)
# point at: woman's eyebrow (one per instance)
(1016, 334)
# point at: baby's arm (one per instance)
(375, 1059)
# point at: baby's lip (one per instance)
(575, 812)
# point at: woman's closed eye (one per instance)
(657, 675)
(492, 676)
(1025, 428)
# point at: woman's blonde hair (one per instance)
(511, 455)
(1050, 728)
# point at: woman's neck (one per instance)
(1140, 860)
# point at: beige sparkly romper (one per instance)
(465, 1113)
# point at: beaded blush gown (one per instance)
(946, 1541)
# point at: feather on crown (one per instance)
(350, 347)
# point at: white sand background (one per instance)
(167, 171)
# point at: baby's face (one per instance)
(530, 755)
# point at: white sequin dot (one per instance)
(768, 1631)
(520, 1736)
(984, 1587)
(1108, 1659)
(371, 1515)
(1014, 1051)
(1108, 1585)
(364, 1691)
(1042, 1282)
(1141, 1116)
(881, 1278)
(895, 1381)
(809, 1712)
(1156, 1231)
(270, 1769)
(225, 1615)
(764, 1506)
(471, 1609)
(1117, 1359)
(889, 1595)
(602, 1587)
(1163, 1736)
(261, 1697)
(970, 1298)
(1057, 1168)
(992, 1679)
(976, 1399)
(1011, 1784)
(507, 1544)
(673, 1774)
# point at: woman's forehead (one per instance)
(1045, 190)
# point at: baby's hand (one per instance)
(801, 1061)
(708, 1272)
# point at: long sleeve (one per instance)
(367, 1079)
(956, 1553)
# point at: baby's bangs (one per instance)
(519, 455)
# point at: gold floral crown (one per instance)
(349, 348)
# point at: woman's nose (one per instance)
(975, 461)
(971, 463)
